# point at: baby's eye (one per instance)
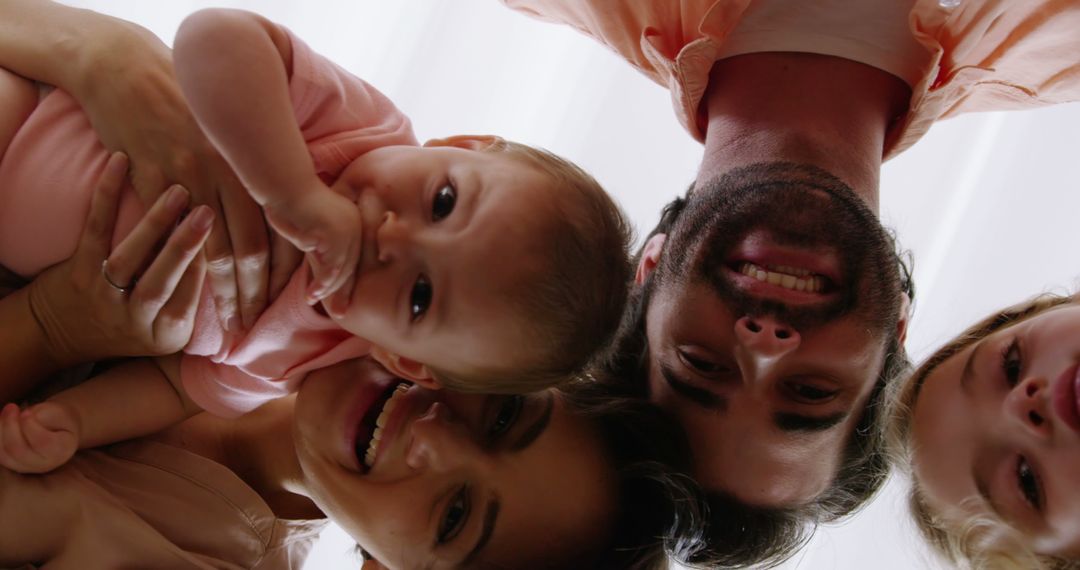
(420, 298)
(443, 203)
(1010, 363)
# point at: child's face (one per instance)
(447, 232)
(999, 425)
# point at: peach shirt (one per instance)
(984, 55)
(145, 504)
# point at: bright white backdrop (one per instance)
(988, 203)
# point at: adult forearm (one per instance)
(27, 354)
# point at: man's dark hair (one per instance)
(661, 511)
(740, 534)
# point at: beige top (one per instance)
(145, 504)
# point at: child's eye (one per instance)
(1028, 483)
(699, 364)
(420, 298)
(1010, 363)
(443, 203)
(454, 518)
(506, 417)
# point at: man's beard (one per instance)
(798, 206)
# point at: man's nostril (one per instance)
(754, 327)
(782, 334)
(1035, 418)
(1031, 389)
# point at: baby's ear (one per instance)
(650, 257)
(405, 368)
(467, 142)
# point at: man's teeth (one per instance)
(787, 277)
(380, 423)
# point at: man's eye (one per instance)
(420, 298)
(507, 415)
(1010, 363)
(443, 203)
(810, 394)
(453, 519)
(698, 363)
(1028, 483)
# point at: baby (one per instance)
(469, 263)
(989, 429)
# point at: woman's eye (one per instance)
(420, 298)
(1010, 363)
(810, 394)
(1029, 483)
(444, 202)
(506, 417)
(698, 363)
(454, 518)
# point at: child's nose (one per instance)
(390, 238)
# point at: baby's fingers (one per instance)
(52, 446)
(14, 450)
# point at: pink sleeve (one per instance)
(340, 116)
(228, 391)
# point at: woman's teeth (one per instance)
(380, 423)
(784, 276)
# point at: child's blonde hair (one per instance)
(983, 541)
(572, 304)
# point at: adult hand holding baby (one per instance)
(89, 309)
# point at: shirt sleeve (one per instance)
(340, 115)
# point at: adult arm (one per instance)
(123, 77)
(70, 314)
(234, 68)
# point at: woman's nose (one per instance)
(1027, 404)
(763, 341)
(439, 442)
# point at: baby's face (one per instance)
(998, 426)
(446, 233)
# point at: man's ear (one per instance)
(405, 368)
(372, 564)
(650, 257)
(467, 142)
(905, 318)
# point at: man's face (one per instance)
(767, 328)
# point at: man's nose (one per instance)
(439, 442)
(763, 341)
(1027, 405)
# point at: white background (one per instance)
(988, 203)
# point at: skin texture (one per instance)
(990, 436)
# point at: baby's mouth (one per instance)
(369, 433)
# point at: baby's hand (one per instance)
(326, 227)
(37, 439)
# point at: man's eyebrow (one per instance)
(533, 431)
(490, 516)
(807, 424)
(699, 396)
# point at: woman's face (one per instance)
(998, 425)
(454, 479)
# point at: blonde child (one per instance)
(470, 263)
(989, 427)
